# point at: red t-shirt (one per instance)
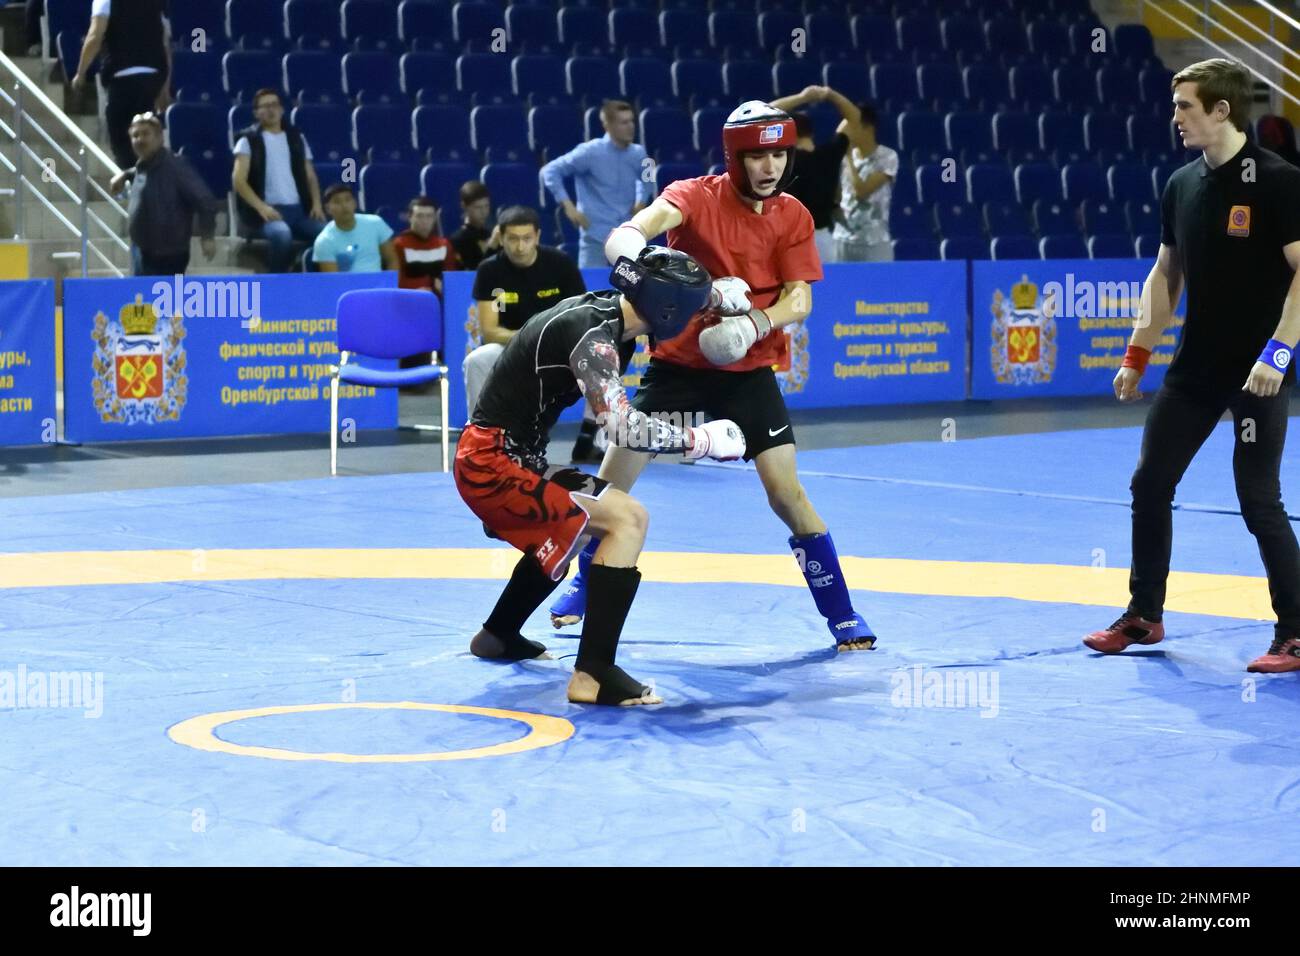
(726, 236)
(420, 261)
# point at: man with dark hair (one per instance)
(866, 186)
(136, 72)
(1230, 224)
(817, 166)
(511, 287)
(276, 190)
(353, 241)
(166, 197)
(577, 348)
(610, 176)
(422, 251)
(473, 241)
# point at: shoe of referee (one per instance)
(1127, 631)
(1283, 655)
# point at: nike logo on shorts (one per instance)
(773, 434)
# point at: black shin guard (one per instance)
(609, 597)
(527, 588)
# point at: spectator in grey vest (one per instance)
(166, 196)
(277, 193)
(136, 73)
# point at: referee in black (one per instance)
(1230, 224)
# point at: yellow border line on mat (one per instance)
(1222, 595)
(200, 733)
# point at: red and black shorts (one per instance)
(540, 514)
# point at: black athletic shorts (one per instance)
(751, 399)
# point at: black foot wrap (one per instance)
(616, 685)
(609, 597)
(527, 588)
(511, 647)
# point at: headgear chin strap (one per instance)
(665, 286)
(757, 125)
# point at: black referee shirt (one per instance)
(1228, 226)
(525, 292)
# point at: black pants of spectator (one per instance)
(127, 96)
(1177, 426)
(152, 264)
(34, 10)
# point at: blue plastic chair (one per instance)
(388, 324)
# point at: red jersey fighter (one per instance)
(742, 227)
(579, 346)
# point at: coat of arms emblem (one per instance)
(1024, 336)
(139, 366)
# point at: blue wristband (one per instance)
(1277, 355)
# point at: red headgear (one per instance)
(757, 125)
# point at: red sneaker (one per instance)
(1283, 655)
(1129, 629)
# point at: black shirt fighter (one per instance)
(572, 349)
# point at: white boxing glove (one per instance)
(730, 339)
(721, 440)
(730, 296)
(625, 240)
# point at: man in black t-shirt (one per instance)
(1231, 231)
(579, 347)
(510, 288)
(817, 165)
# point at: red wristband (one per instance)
(1136, 357)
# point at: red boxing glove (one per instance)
(1136, 357)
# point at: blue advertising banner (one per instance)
(1059, 327)
(176, 357)
(879, 333)
(27, 362)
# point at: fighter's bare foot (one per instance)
(616, 688)
(514, 647)
(565, 620)
(863, 644)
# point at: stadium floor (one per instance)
(980, 732)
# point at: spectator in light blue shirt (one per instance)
(353, 241)
(613, 179)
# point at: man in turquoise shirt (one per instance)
(614, 180)
(352, 242)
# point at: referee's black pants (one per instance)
(1178, 424)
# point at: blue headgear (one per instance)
(665, 286)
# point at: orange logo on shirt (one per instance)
(1239, 221)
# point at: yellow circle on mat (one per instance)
(200, 733)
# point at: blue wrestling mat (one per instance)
(222, 634)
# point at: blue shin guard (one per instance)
(821, 569)
(572, 601)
